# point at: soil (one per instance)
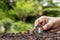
(30, 35)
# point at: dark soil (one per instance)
(30, 35)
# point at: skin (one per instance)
(48, 23)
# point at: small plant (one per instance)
(7, 23)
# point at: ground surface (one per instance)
(30, 36)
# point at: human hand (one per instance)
(48, 23)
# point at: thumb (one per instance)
(48, 25)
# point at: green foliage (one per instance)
(13, 17)
(24, 9)
(2, 14)
(7, 23)
(21, 27)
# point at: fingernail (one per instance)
(44, 27)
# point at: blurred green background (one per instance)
(19, 15)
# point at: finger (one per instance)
(42, 20)
(55, 26)
(48, 25)
(36, 23)
(55, 30)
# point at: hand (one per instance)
(48, 23)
